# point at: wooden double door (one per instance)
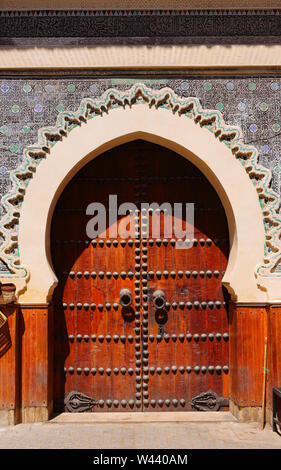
(118, 345)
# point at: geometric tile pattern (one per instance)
(249, 103)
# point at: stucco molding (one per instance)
(50, 139)
(112, 57)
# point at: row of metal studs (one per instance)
(181, 337)
(131, 403)
(131, 274)
(101, 338)
(100, 274)
(140, 359)
(141, 257)
(166, 402)
(196, 304)
(137, 243)
(187, 273)
(145, 313)
(143, 274)
(146, 402)
(152, 370)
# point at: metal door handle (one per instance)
(125, 297)
(159, 299)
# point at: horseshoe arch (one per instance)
(200, 136)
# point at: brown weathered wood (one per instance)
(210, 223)
(138, 172)
(36, 337)
(9, 360)
(264, 384)
(91, 185)
(274, 351)
(247, 333)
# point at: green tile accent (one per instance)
(207, 86)
(15, 108)
(263, 107)
(252, 86)
(14, 149)
(219, 106)
(3, 129)
(276, 127)
(27, 88)
(60, 108)
(71, 88)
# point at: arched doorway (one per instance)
(140, 357)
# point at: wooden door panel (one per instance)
(139, 357)
(96, 342)
(186, 348)
(93, 320)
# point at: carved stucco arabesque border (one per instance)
(139, 94)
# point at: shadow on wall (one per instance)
(5, 339)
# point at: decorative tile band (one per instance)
(140, 95)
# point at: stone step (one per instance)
(140, 417)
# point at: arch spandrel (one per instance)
(161, 117)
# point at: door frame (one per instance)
(170, 325)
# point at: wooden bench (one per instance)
(276, 393)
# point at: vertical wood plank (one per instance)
(274, 351)
(247, 333)
(9, 363)
(36, 352)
